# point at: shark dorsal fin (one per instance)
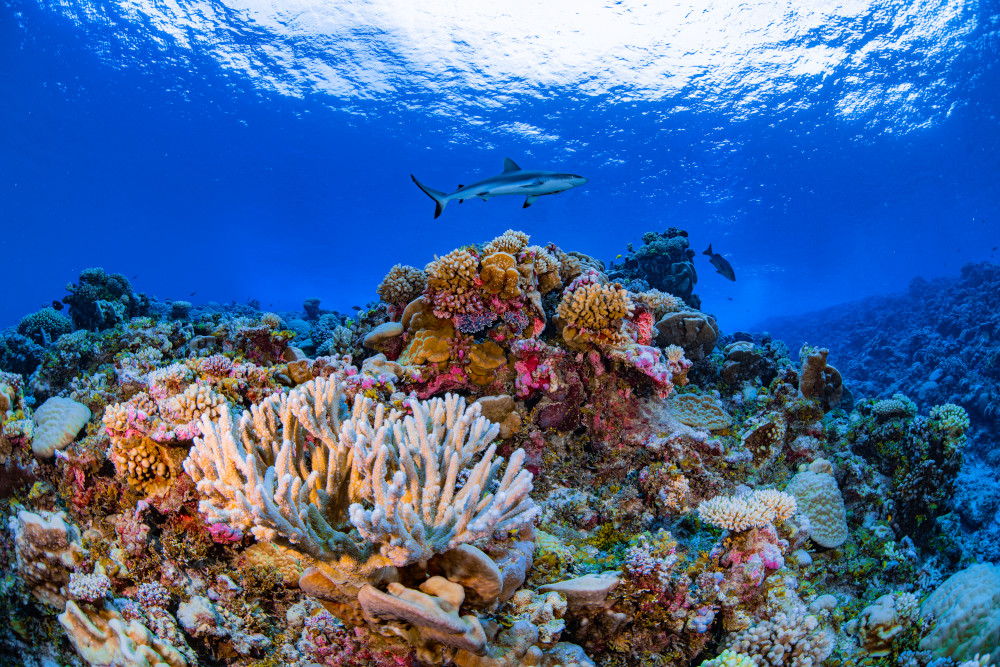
(509, 165)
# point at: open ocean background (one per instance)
(247, 149)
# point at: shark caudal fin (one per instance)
(440, 198)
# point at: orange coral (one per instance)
(484, 360)
(429, 346)
(500, 275)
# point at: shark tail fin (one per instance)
(707, 252)
(440, 198)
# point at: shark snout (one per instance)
(576, 181)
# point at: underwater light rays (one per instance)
(743, 60)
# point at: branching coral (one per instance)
(292, 467)
(593, 311)
(402, 284)
(752, 510)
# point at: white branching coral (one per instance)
(298, 470)
(752, 510)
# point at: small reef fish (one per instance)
(722, 267)
(57, 305)
(513, 181)
(192, 293)
(356, 307)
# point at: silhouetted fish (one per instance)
(57, 305)
(356, 307)
(192, 293)
(995, 247)
(722, 267)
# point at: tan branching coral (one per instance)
(500, 276)
(657, 303)
(594, 311)
(752, 510)
(793, 639)
(699, 411)
(402, 284)
(197, 400)
(143, 462)
(292, 468)
(510, 242)
(455, 272)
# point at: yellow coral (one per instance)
(485, 358)
(500, 275)
(751, 510)
(455, 272)
(142, 462)
(429, 346)
(402, 284)
(510, 241)
(196, 401)
(699, 411)
(594, 310)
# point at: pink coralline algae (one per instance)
(223, 534)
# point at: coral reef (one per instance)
(517, 457)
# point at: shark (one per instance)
(513, 181)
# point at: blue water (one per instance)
(234, 150)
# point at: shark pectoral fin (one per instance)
(509, 165)
(529, 200)
(485, 196)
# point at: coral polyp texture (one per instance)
(518, 456)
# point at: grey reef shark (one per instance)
(513, 181)
(722, 267)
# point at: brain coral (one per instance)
(59, 420)
(819, 498)
(967, 612)
(402, 284)
(751, 510)
(699, 411)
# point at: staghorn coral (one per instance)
(752, 510)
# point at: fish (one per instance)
(355, 307)
(513, 181)
(618, 256)
(722, 267)
(192, 293)
(57, 305)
